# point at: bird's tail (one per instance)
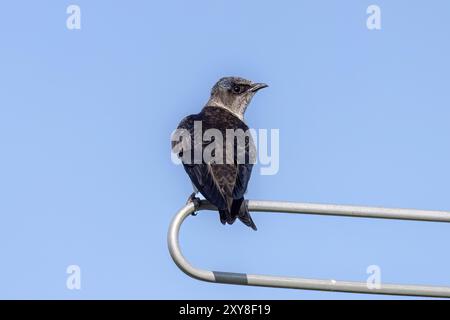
(238, 210)
(244, 215)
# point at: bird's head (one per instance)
(234, 94)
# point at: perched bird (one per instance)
(222, 183)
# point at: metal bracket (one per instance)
(304, 283)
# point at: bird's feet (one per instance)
(195, 200)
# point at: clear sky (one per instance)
(85, 120)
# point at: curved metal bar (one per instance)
(305, 283)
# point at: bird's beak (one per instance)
(257, 86)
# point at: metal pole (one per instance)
(304, 283)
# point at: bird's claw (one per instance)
(196, 201)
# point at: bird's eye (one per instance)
(237, 89)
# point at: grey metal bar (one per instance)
(305, 283)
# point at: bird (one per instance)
(223, 177)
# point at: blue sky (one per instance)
(85, 122)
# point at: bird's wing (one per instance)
(225, 176)
(182, 145)
(219, 183)
(215, 181)
(244, 170)
(222, 183)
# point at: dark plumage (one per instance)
(222, 183)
